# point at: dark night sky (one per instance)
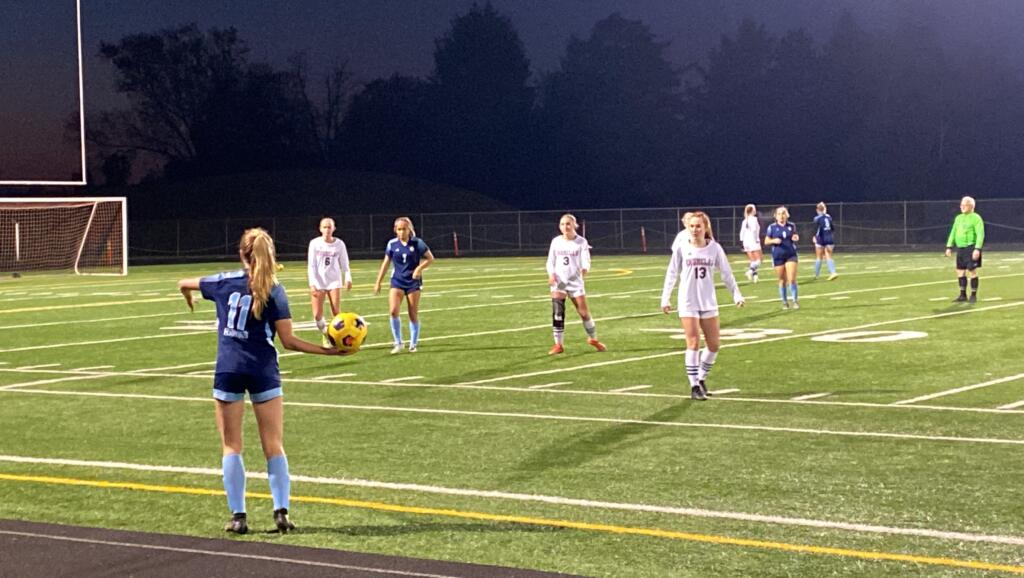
(380, 37)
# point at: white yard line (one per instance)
(545, 499)
(724, 391)
(630, 388)
(811, 396)
(547, 385)
(14, 386)
(399, 379)
(960, 389)
(741, 344)
(338, 376)
(1013, 405)
(82, 305)
(40, 366)
(98, 342)
(93, 368)
(555, 417)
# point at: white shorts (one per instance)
(751, 247)
(573, 287)
(707, 314)
(330, 287)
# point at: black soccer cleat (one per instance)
(697, 393)
(237, 524)
(284, 525)
(972, 299)
(962, 298)
(704, 388)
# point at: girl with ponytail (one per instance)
(252, 308)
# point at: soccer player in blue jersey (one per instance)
(782, 237)
(824, 243)
(410, 256)
(251, 308)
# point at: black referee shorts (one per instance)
(964, 260)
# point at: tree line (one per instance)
(863, 115)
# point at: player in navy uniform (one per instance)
(410, 256)
(251, 308)
(782, 237)
(824, 242)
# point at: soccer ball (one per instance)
(347, 331)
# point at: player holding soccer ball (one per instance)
(251, 308)
(568, 264)
(693, 267)
(410, 256)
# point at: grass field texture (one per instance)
(877, 431)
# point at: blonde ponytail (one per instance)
(257, 249)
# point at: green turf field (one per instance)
(813, 458)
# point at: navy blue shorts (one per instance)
(232, 387)
(783, 258)
(965, 258)
(407, 285)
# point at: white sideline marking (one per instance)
(340, 375)
(1013, 405)
(724, 391)
(81, 305)
(223, 554)
(553, 417)
(398, 379)
(97, 342)
(546, 385)
(13, 386)
(938, 298)
(201, 372)
(40, 366)
(960, 389)
(840, 298)
(741, 344)
(811, 396)
(631, 388)
(93, 368)
(992, 299)
(546, 499)
(888, 298)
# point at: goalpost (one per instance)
(83, 235)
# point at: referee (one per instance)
(967, 237)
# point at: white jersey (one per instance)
(683, 239)
(328, 264)
(694, 268)
(568, 259)
(750, 234)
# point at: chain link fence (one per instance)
(896, 225)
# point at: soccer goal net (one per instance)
(86, 236)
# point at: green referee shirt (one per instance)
(968, 229)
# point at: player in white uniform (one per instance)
(568, 264)
(750, 238)
(683, 237)
(328, 271)
(694, 268)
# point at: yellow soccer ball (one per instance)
(347, 331)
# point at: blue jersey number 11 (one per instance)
(238, 310)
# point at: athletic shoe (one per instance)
(326, 341)
(796, 304)
(750, 275)
(237, 524)
(833, 276)
(556, 349)
(785, 305)
(961, 299)
(972, 299)
(697, 393)
(704, 388)
(412, 348)
(284, 525)
(396, 349)
(754, 278)
(596, 344)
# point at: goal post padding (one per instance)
(82, 235)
